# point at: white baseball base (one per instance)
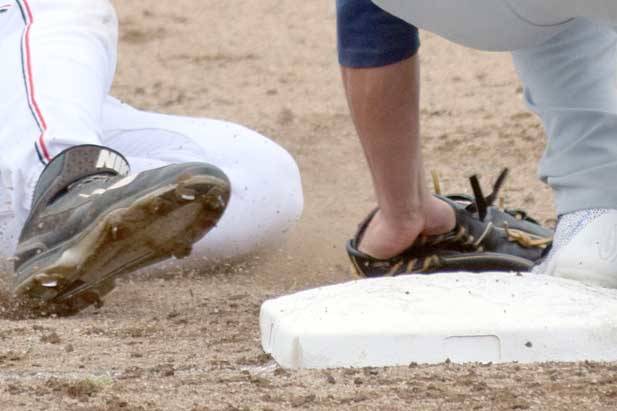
(461, 317)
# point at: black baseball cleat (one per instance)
(91, 222)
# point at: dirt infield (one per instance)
(185, 336)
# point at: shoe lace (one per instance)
(81, 182)
(88, 180)
(526, 239)
(480, 203)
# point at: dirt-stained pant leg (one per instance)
(57, 64)
(266, 190)
(571, 82)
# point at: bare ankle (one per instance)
(440, 217)
(386, 238)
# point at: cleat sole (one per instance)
(162, 224)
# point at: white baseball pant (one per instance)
(58, 63)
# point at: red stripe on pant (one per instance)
(30, 83)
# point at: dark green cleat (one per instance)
(91, 222)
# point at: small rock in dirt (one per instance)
(115, 403)
(94, 331)
(263, 359)
(370, 371)
(51, 338)
(131, 372)
(80, 390)
(280, 372)
(260, 381)
(69, 348)
(11, 356)
(302, 401)
(14, 389)
(286, 117)
(164, 370)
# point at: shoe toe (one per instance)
(590, 256)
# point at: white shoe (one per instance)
(584, 248)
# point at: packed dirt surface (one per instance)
(185, 336)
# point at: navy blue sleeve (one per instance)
(367, 36)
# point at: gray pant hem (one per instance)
(581, 198)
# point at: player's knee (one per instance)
(276, 183)
(283, 180)
(104, 14)
(98, 18)
(293, 185)
(271, 175)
